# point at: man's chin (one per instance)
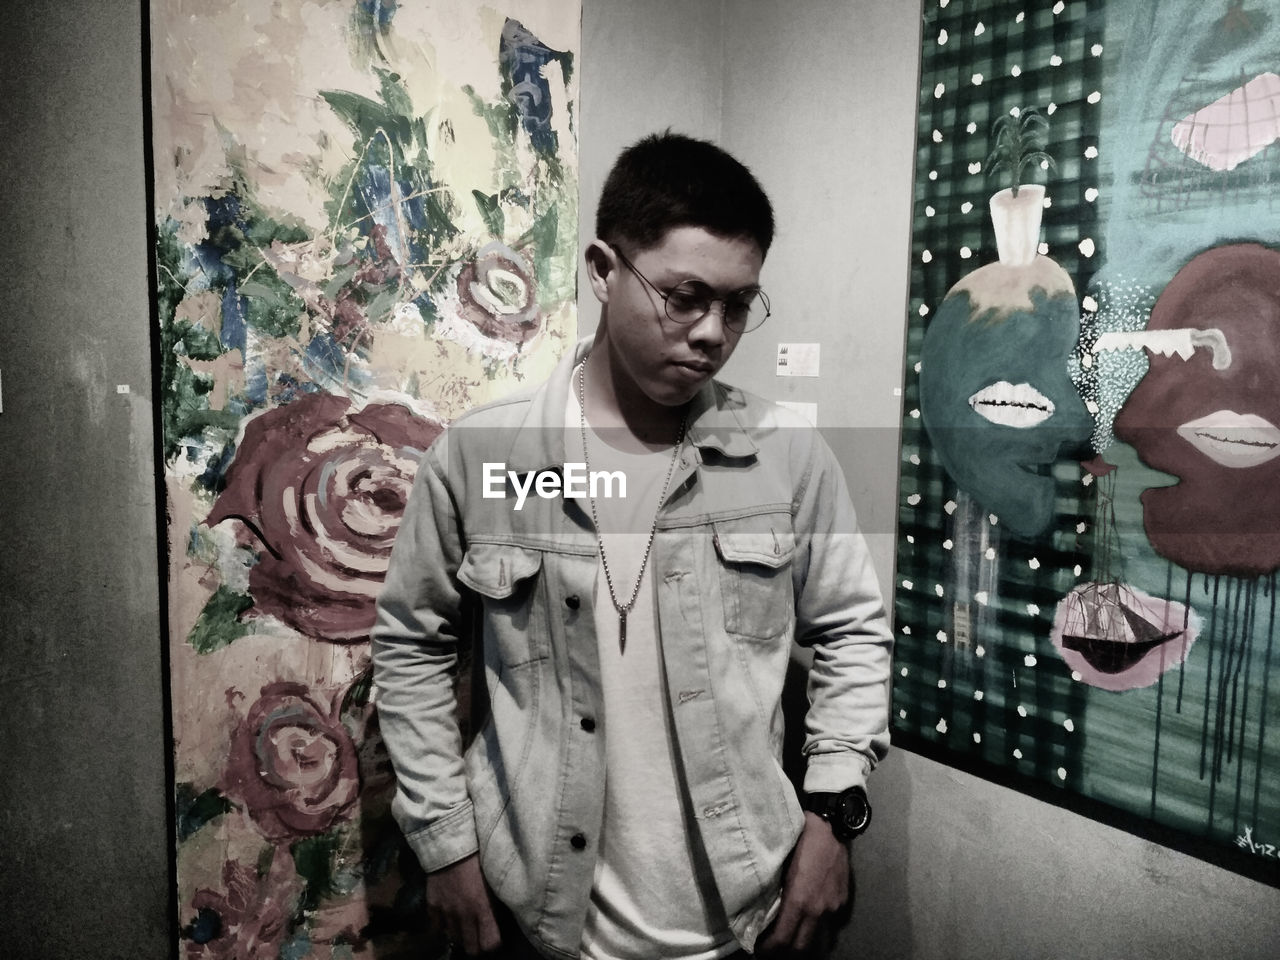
(676, 394)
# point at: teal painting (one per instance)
(1089, 507)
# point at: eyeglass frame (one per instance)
(723, 301)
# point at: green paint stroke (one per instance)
(184, 404)
(271, 306)
(392, 135)
(494, 218)
(219, 622)
(313, 858)
(194, 810)
(357, 696)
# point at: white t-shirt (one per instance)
(653, 895)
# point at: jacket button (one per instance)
(578, 841)
(572, 602)
(588, 724)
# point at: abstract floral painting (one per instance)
(1089, 513)
(365, 223)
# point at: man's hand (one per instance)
(458, 903)
(815, 891)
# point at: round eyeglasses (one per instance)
(691, 300)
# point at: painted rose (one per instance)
(292, 764)
(494, 306)
(323, 489)
(251, 919)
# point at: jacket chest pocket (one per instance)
(755, 555)
(506, 578)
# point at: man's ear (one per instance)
(602, 264)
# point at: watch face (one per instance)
(853, 813)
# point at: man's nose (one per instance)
(711, 326)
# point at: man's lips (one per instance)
(696, 366)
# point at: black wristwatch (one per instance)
(848, 812)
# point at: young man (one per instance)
(624, 796)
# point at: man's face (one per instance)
(1216, 430)
(650, 354)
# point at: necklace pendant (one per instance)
(622, 630)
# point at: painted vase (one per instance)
(1016, 220)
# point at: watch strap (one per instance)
(848, 812)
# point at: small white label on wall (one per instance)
(798, 359)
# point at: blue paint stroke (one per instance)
(225, 228)
(374, 191)
(205, 927)
(325, 362)
(379, 11)
(255, 378)
(297, 948)
(232, 335)
(215, 474)
(521, 58)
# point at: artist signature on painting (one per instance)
(1253, 846)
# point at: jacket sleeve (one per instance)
(840, 615)
(415, 659)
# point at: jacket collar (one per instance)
(539, 444)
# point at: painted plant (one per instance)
(1018, 140)
(366, 223)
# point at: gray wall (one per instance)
(816, 96)
(83, 846)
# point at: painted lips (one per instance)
(1008, 404)
(1236, 440)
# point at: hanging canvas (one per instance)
(365, 223)
(1089, 513)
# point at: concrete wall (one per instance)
(816, 96)
(83, 845)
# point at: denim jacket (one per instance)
(756, 546)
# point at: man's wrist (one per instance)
(847, 812)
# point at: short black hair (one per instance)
(669, 180)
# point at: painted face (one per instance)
(1216, 430)
(651, 356)
(995, 394)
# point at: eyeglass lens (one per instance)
(688, 304)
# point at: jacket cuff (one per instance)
(447, 840)
(834, 772)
